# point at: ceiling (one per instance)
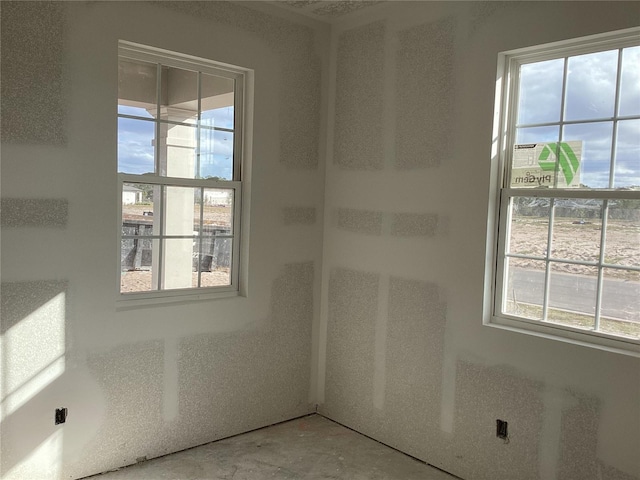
(325, 10)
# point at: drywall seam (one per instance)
(549, 443)
(379, 368)
(170, 399)
(389, 106)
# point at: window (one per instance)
(567, 236)
(179, 158)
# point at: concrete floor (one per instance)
(309, 448)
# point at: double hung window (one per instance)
(179, 158)
(567, 239)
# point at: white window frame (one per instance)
(505, 115)
(242, 81)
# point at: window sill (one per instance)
(155, 299)
(566, 334)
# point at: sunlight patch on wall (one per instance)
(38, 341)
(42, 462)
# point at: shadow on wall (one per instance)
(33, 319)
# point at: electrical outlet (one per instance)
(61, 415)
(501, 429)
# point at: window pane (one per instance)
(620, 314)
(219, 118)
(216, 154)
(137, 87)
(215, 261)
(630, 82)
(595, 163)
(537, 134)
(577, 229)
(218, 210)
(525, 170)
(135, 146)
(136, 256)
(591, 85)
(182, 211)
(137, 111)
(623, 234)
(137, 208)
(529, 227)
(627, 171)
(217, 101)
(177, 271)
(572, 295)
(177, 150)
(179, 95)
(540, 92)
(524, 288)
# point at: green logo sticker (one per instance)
(546, 165)
(564, 156)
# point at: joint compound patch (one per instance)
(359, 102)
(299, 215)
(353, 308)
(424, 97)
(361, 221)
(33, 82)
(34, 212)
(414, 225)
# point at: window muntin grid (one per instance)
(551, 124)
(189, 126)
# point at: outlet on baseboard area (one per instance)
(61, 415)
(502, 430)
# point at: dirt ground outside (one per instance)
(219, 215)
(141, 280)
(576, 239)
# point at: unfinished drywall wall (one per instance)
(273, 384)
(146, 380)
(407, 359)
(483, 395)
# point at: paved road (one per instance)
(620, 299)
